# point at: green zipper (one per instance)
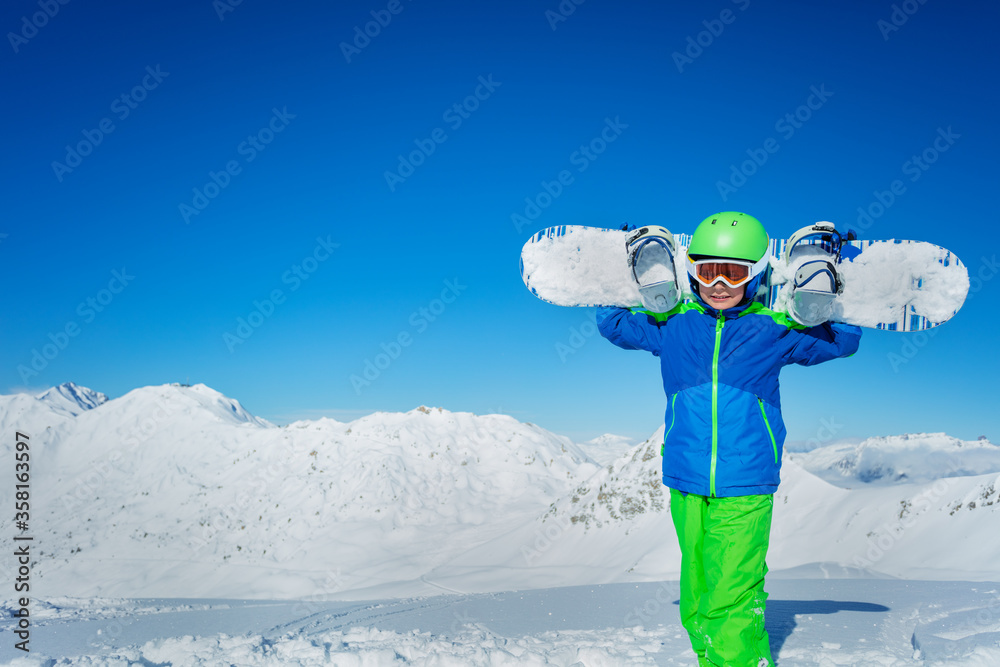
(673, 418)
(719, 322)
(774, 445)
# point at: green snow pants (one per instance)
(723, 544)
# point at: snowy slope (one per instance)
(176, 490)
(616, 527)
(906, 458)
(943, 529)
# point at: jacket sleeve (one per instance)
(628, 330)
(821, 343)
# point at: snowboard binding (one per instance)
(651, 251)
(813, 253)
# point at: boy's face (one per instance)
(720, 295)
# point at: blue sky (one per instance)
(216, 193)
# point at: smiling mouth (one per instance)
(721, 297)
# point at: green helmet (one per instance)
(729, 234)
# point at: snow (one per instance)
(597, 262)
(888, 278)
(598, 267)
(885, 283)
(921, 457)
(189, 495)
(607, 448)
(72, 399)
(879, 283)
(809, 621)
(172, 526)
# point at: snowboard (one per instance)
(891, 285)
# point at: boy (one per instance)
(720, 355)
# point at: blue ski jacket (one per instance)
(723, 427)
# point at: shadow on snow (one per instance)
(780, 616)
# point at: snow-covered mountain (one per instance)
(918, 457)
(616, 527)
(606, 448)
(72, 399)
(175, 490)
(178, 491)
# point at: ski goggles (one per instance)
(733, 272)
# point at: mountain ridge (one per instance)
(178, 491)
